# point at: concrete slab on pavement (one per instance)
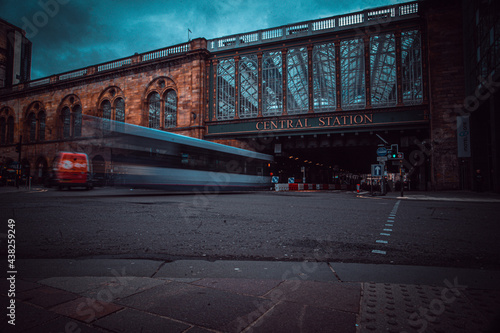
(432, 276)
(247, 269)
(45, 268)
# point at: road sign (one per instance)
(377, 170)
(381, 158)
(381, 151)
(291, 180)
(275, 179)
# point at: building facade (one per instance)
(319, 95)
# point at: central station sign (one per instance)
(316, 122)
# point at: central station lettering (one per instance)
(333, 121)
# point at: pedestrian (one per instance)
(479, 180)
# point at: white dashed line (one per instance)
(390, 222)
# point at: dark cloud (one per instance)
(72, 34)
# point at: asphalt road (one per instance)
(321, 226)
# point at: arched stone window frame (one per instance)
(7, 125)
(163, 86)
(34, 128)
(113, 95)
(70, 117)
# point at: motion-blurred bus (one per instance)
(150, 158)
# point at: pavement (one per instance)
(197, 296)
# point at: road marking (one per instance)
(390, 220)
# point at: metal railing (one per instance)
(335, 23)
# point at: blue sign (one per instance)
(275, 179)
(377, 170)
(382, 151)
(291, 180)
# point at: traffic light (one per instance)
(18, 147)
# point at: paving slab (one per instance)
(103, 288)
(27, 316)
(433, 276)
(45, 268)
(205, 307)
(63, 324)
(85, 309)
(247, 269)
(288, 317)
(242, 286)
(130, 320)
(21, 285)
(338, 296)
(46, 297)
(196, 329)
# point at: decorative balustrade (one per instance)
(73, 74)
(341, 22)
(108, 66)
(114, 64)
(165, 52)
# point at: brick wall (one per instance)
(446, 73)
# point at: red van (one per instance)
(72, 170)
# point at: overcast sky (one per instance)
(72, 34)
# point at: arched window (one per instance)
(10, 130)
(32, 127)
(120, 110)
(154, 110)
(3, 130)
(171, 109)
(41, 125)
(106, 114)
(106, 109)
(66, 122)
(77, 121)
